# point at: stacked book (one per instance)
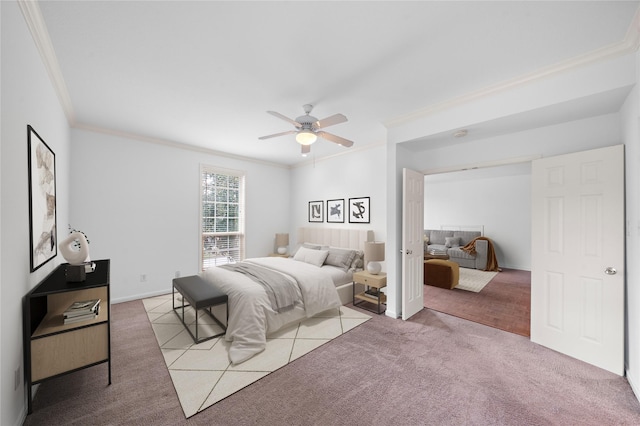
(372, 292)
(437, 252)
(82, 311)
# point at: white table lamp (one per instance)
(374, 253)
(282, 241)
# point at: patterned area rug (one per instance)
(474, 279)
(202, 374)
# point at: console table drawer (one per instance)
(59, 353)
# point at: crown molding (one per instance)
(628, 45)
(33, 17)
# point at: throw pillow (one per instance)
(309, 246)
(339, 257)
(358, 261)
(311, 256)
(452, 242)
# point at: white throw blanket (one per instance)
(250, 313)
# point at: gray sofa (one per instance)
(453, 241)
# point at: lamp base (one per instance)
(282, 250)
(374, 268)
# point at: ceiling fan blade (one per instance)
(336, 139)
(305, 149)
(330, 121)
(289, 132)
(287, 119)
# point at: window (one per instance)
(222, 216)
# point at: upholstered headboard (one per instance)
(335, 237)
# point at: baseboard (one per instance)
(141, 296)
(391, 313)
(22, 415)
(633, 387)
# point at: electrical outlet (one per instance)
(143, 278)
(17, 379)
(177, 274)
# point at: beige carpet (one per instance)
(474, 279)
(202, 374)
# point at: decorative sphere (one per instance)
(282, 250)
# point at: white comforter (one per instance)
(251, 317)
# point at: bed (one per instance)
(311, 280)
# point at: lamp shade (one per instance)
(374, 251)
(282, 240)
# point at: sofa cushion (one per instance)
(466, 236)
(439, 236)
(458, 253)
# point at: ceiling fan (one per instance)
(308, 129)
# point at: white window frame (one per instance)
(214, 253)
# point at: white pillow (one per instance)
(309, 246)
(314, 257)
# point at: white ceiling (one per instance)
(204, 73)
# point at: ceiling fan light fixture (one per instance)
(306, 137)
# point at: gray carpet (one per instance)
(435, 369)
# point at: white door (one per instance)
(577, 275)
(412, 242)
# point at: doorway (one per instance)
(498, 198)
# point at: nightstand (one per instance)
(372, 286)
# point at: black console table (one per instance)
(52, 348)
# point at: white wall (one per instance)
(27, 98)
(360, 173)
(497, 198)
(631, 133)
(138, 202)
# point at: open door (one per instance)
(577, 274)
(412, 243)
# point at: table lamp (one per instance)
(282, 241)
(374, 253)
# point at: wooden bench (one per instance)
(200, 295)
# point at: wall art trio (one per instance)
(357, 210)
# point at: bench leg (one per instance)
(211, 314)
(195, 338)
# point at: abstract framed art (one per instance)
(42, 200)
(335, 211)
(316, 211)
(359, 210)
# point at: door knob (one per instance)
(610, 271)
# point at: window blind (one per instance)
(221, 216)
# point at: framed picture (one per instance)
(359, 210)
(42, 200)
(316, 211)
(335, 211)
